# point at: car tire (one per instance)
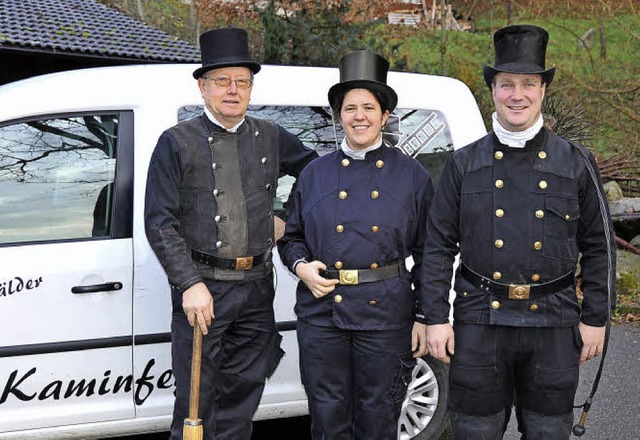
(424, 410)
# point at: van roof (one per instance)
(135, 86)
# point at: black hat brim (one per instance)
(385, 90)
(251, 65)
(490, 72)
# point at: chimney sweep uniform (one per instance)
(520, 207)
(209, 219)
(358, 212)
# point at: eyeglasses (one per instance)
(225, 81)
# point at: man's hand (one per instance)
(419, 340)
(308, 273)
(440, 341)
(197, 304)
(593, 340)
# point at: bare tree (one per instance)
(140, 9)
(443, 36)
(509, 12)
(603, 39)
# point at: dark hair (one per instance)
(337, 103)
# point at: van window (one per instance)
(420, 133)
(56, 177)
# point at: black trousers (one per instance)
(492, 364)
(241, 350)
(356, 380)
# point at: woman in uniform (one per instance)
(356, 215)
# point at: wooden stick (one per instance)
(192, 429)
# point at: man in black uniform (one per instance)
(209, 219)
(519, 205)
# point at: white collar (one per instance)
(215, 121)
(358, 154)
(515, 139)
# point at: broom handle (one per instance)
(196, 360)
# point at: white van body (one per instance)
(96, 363)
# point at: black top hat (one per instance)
(364, 69)
(520, 49)
(225, 48)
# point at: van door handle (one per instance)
(96, 288)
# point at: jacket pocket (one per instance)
(561, 220)
(562, 214)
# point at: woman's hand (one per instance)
(309, 274)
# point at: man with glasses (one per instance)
(209, 218)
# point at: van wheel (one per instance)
(424, 412)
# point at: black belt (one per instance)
(240, 263)
(517, 291)
(359, 276)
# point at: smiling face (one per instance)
(228, 104)
(518, 99)
(362, 118)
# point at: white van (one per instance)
(85, 305)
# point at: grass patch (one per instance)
(605, 82)
(628, 299)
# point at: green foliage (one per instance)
(317, 36)
(171, 16)
(608, 89)
(275, 35)
(628, 284)
(628, 297)
(602, 80)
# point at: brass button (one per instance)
(498, 155)
(373, 266)
(542, 155)
(533, 307)
(373, 302)
(374, 228)
(338, 265)
(464, 293)
(539, 213)
(342, 195)
(499, 243)
(495, 305)
(535, 277)
(567, 217)
(537, 245)
(375, 194)
(379, 163)
(542, 184)
(499, 213)
(499, 183)
(339, 228)
(338, 298)
(345, 162)
(497, 275)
